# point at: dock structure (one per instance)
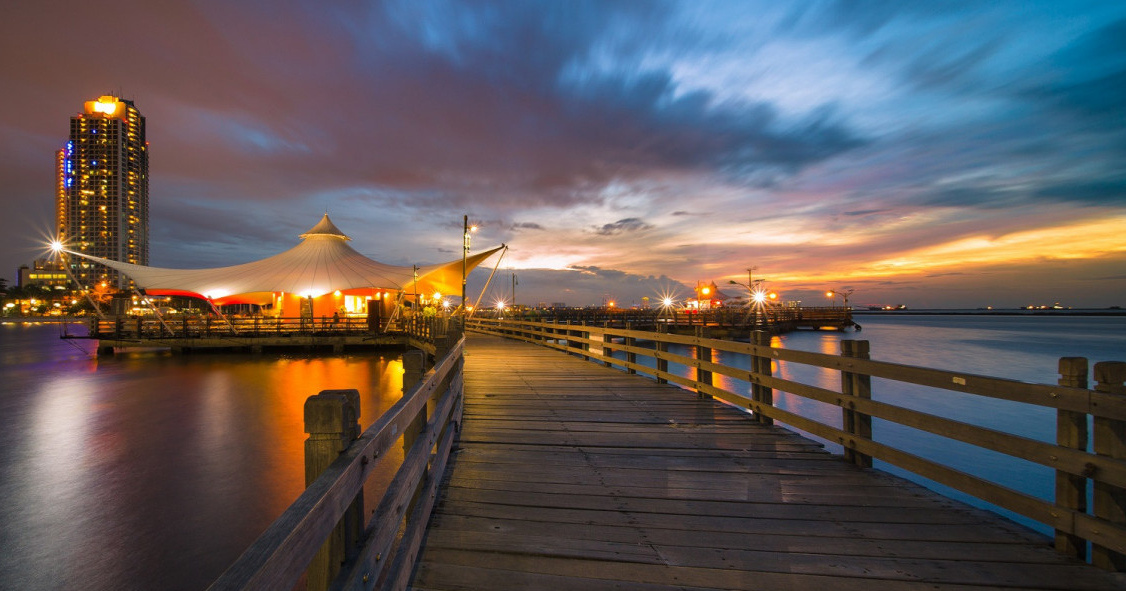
(720, 321)
(570, 475)
(258, 334)
(551, 456)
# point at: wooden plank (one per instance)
(571, 475)
(584, 574)
(457, 531)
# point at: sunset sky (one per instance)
(933, 154)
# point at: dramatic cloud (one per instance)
(906, 149)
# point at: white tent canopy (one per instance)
(321, 263)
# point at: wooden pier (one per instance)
(535, 459)
(258, 334)
(572, 476)
(720, 321)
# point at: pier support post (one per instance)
(331, 422)
(631, 357)
(414, 367)
(607, 351)
(585, 343)
(1071, 432)
(703, 355)
(857, 385)
(761, 367)
(1109, 440)
(662, 347)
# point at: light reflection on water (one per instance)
(149, 470)
(153, 471)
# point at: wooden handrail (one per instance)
(277, 559)
(1104, 466)
(151, 328)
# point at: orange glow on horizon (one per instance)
(1085, 240)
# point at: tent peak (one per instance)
(325, 227)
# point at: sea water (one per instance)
(155, 471)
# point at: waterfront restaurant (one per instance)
(320, 276)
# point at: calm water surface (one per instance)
(153, 471)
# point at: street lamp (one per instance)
(467, 233)
(843, 293)
(760, 298)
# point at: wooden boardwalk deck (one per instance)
(570, 475)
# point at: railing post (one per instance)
(761, 367)
(856, 385)
(631, 357)
(662, 347)
(585, 344)
(606, 350)
(331, 422)
(1071, 432)
(703, 354)
(1109, 440)
(414, 367)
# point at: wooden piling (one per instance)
(662, 348)
(856, 385)
(1071, 432)
(761, 367)
(703, 354)
(414, 367)
(607, 351)
(1109, 440)
(631, 357)
(331, 422)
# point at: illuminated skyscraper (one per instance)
(102, 196)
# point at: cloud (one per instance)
(808, 140)
(622, 226)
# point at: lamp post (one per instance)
(759, 298)
(833, 293)
(465, 237)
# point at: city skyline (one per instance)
(949, 155)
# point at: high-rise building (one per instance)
(102, 198)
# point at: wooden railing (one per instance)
(768, 317)
(1079, 461)
(178, 327)
(322, 534)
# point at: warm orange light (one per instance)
(773, 296)
(610, 304)
(336, 293)
(706, 290)
(106, 104)
(829, 294)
